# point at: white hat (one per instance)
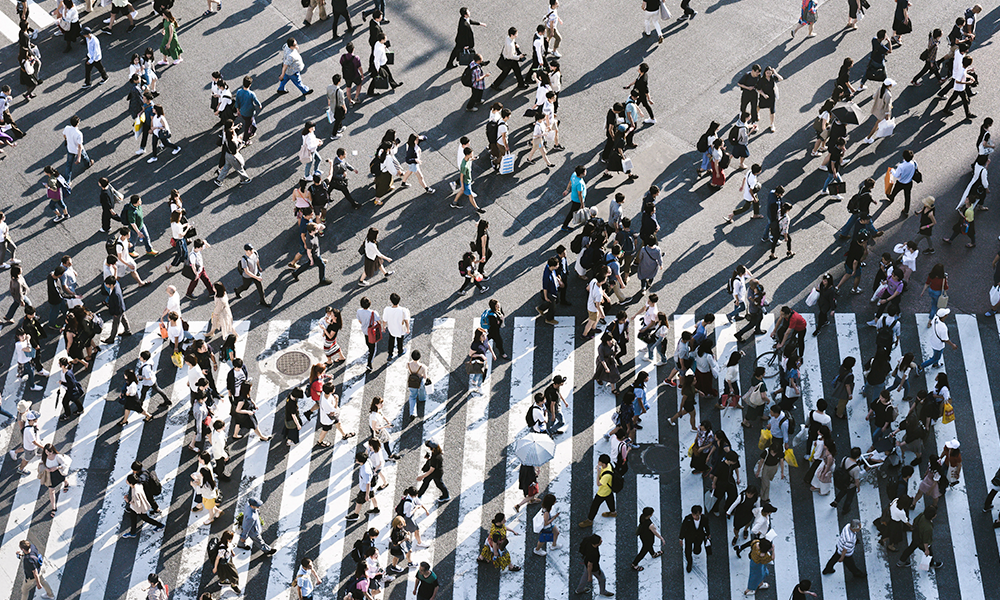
(953, 444)
(943, 312)
(23, 406)
(889, 82)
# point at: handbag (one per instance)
(837, 187)
(885, 128)
(664, 12)
(163, 331)
(754, 398)
(329, 115)
(475, 367)
(188, 271)
(765, 439)
(190, 233)
(466, 56)
(626, 164)
(374, 333)
(305, 3)
(507, 164)
(790, 458)
(947, 413)
(646, 335)
(390, 57)
(43, 475)
(533, 489)
(943, 298)
(380, 82)
(812, 298)
(710, 501)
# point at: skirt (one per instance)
(545, 536)
(931, 489)
(245, 421)
(371, 266)
(720, 179)
(740, 151)
(331, 347)
(704, 382)
(501, 562)
(132, 403)
(56, 478)
(383, 184)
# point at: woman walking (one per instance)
(779, 231)
(309, 152)
(433, 470)
(881, 107)
(245, 414)
(56, 469)
(137, 506)
(170, 47)
(224, 566)
(548, 533)
(704, 372)
(178, 239)
(380, 426)
(384, 169)
(901, 22)
(494, 321)
(718, 154)
(731, 393)
(705, 143)
(647, 532)
(413, 162)
(373, 257)
(331, 347)
(130, 398)
(767, 92)
(470, 276)
(935, 286)
(55, 185)
(399, 547)
(687, 400)
(411, 503)
(606, 371)
(494, 551)
(222, 314)
(161, 134)
(293, 421)
(929, 56)
(761, 554)
(826, 304)
(824, 450)
(927, 222)
(30, 65)
(481, 246)
(204, 485)
(479, 351)
(650, 262)
(808, 17)
(702, 448)
(416, 380)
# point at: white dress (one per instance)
(222, 317)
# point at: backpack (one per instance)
(484, 319)
(884, 335)
(702, 145)
(818, 125)
(576, 246)
(111, 244)
(617, 480)
(373, 166)
(126, 214)
(725, 160)
(734, 134)
(492, 131)
(356, 555)
(591, 256)
(399, 508)
(213, 549)
(239, 267)
(852, 204)
(626, 239)
(842, 477)
(791, 423)
(152, 483)
(467, 77)
(320, 195)
(529, 417)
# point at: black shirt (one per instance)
(426, 585)
(751, 81)
(551, 397)
(878, 51)
(642, 85)
(434, 462)
(591, 555)
(854, 253)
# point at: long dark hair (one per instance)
(937, 272)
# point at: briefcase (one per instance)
(380, 82)
(837, 187)
(466, 56)
(390, 57)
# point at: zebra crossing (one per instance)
(307, 492)
(38, 17)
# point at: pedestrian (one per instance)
(75, 149)
(312, 6)
(923, 538)
(647, 532)
(116, 306)
(350, 65)
(767, 92)
(755, 309)
(372, 324)
(204, 485)
(413, 162)
(779, 231)
(901, 22)
(938, 340)
(808, 17)
(252, 527)
(223, 564)
(881, 108)
(929, 56)
(650, 262)
(590, 549)
(306, 579)
(881, 47)
(383, 166)
(742, 512)
(550, 285)
(849, 479)
(329, 415)
(749, 188)
(68, 22)
(846, 545)
(576, 189)
(217, 438)
(293, 421)
(373, 258)
(465, 38)
(197, 264)
(72, 392)
(495, 551)
(539, 135)
(313, 253)
(465, 181)
(137, 506)
(232, 142)
(605, 494)
(801, 589)
(427, 583)
(31, 563)
(510, 58)
(766, 468)
(146, 374)
(292, 66)
(247, 105)
(56, 188)
(31, 446)
(170, 46)
(336, 106)
(251, 273)
(161, 134)
(761, 554)
(109, 198)
(380, 68)
(93, 58)
(694, 532)
(55, 469)
(309, 153)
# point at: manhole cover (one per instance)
(293, 363)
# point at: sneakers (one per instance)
(152, 159)
(650, 121)
(128, 536)
(373, 511)
(445, 499)
(140, 151)
(176, 150)
(903, 563)
(37, 388)
(539, 552)
(609, 514)
(352, 517)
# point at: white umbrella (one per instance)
(535, 449)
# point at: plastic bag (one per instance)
(765, 439)
(885, 128)
(790, 458)
(178, 359)
(812, 298)
(947, 413)
(507, 164)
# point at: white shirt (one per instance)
(219, 443)
(650, 315)
(540, 94)
(194, 372)
(93, 49)
(365, 477)
(538, 43)
(957, 72)
(177, 230)
(380, 56)
(175, 333)
(309, 140)
(897, 514)
(326, 407)
(28, 436)
(939, 334)
(376, 460)
(146, 374)
(595, 295)
(820, 417)
(739, 290)
(74, 139)
(459, 156)
(21, 351)
(909, 256)
(395, 317)
(748, 184)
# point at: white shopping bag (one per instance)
(329, 115)
(925, 563)
(627, 165)
(812, 298)
(885, 128)
(507, 164)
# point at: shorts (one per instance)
(593, 316)
(327, 427)
(467, 189)
(412, 168)
(545, 536)
(119, 10)
(208, 503)
(855, 273)
(29, 453)
(362, 497)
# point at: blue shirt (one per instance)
(577, 189)
(549, 282)
(246, 102)
(904, 171)
(640, 401)
(699, 333)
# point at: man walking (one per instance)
(146, 372)
(510, 58)
(252, 274)
(550, 287)
(231, 144)
(577, 191)
(336, 103)
(923, 537)
(247, 104)
(903, 174)
(31, 562)
(478, 83)
(844, 553)
(75, 150)
(938, 340)
(590, 548)
(313, 254)
(291, 68)
(694, 532)
(137, 224)
(397, 324)
(368, 319)
(93, 58)
(339, 8)
(116, 306)
(605, 475)
(465, 38)
(252, 527)
(338, 176)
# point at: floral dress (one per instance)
(501, 561)
(173, 49)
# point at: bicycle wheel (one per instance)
(769, 360)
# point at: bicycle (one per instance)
(771, 362)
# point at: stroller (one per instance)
(882, 461)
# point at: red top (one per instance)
(797, 322)
(936, 283)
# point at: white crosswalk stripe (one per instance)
(806, 530)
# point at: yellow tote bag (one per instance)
(948, 414)
(765, 439)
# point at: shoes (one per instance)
(609, 514)
(281, 92)
(352, 517)
(37, 388)
(176, 150)
(585, 524)
(152, 159)
(936, 564)
(306, 93)
(372, 511)
(445, 499)
(270, 551)
(903, 563)
(650, 121)
(325, 282)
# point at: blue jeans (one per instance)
(873, 391)
(133, 237)
(757, 575)
(312, 165)
(934, 300)
(899, 381)
(934, 359)
(417, 395)
(56, 311)
(650, 348)
(70, 159)
(706, 159)
(736, 311)
(294, 78)
(829, 178)
(848, 229)
(181, 256)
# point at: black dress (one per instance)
(766, 86)
(900, 24)
(925, 220)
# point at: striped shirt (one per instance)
(847, 540)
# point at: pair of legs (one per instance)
(296, 80)
(247, 282)
(538, 143)
(232, 162)
(134, 518)
(469, 281)
(325, 429)
(202, 277)
(465, 190)
(439, 482)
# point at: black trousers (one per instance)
(751, 99)
(690, 547)
(155, 389)
(929, 67)
(753, 323)
(848, 564)
(69, 399)
(247, 282)
(598, 501)
(913, 546)
(341, 186)
(647, 548)
(906, 188)
(372, 350)
(220, 468)
(438, 480)
(573, 208)
(383, 72)
(645, 104)
(494, 335)
(964, 97)
(134, 520)
(88, 67)
(455, 52)
(336, 19)
(475, 99)
(106, 218)
(686, 7)
(396, 342)
(506, 67)
(338, 119)
(547, 308)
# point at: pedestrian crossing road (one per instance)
(307, 491)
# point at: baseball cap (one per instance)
(248, 246)
(31, 416)
(254, 502)
(558, 379)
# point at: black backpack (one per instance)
(356, 555)
(467, 77)
(399, 508)
(591, 256)
(529, 417)
(213, 549)
(152, 483)
(617, 480)
(111, 244)
(320, 195)
(703, 143)
(842, 477)
(852, 204)
(492, 131)
(734, 135)
(884, 335)
(626, 239)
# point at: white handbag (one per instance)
(507, 164)
(812, 298)
(664, 12)
(885, 128)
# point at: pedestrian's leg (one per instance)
(601, 580)
(831, 565)
(88, 67)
